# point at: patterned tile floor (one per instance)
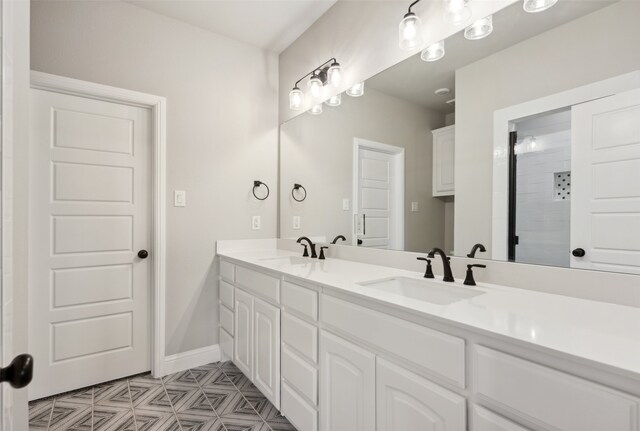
(214, 397)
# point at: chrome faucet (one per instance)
(312, 246)
(446, 266)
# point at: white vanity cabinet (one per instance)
(331, 361)
(443, 161)
(250, 332)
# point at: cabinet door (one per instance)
(347, 386)
(243, 339)
(406, 401)
(266, 320)
(443, 161)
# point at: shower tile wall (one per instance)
(542, 221)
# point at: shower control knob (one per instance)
(143, 254)
(578, 252)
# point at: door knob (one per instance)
(19, 372)
(578, 252)
(143, 254)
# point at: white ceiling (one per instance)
(416, 81)
(269, 24)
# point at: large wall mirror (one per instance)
(526, 141)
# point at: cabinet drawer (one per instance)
(262, 285)
(550, 398)
(406, 401)
(298, 411)
(227, 271)
(434, 351)
(226, 319)
(226, 294)
(226, 344)
(485, 420)
(300, 335)
(299, 374)
(300, 299)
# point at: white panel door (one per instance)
(605, 202)
(375, 198)
(406, 401)
(347, 386)
(266, 321)
(444, 161)
(90, 203)
(243, 336)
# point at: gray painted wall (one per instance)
(222, 124)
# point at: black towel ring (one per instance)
(257, 184)
(295, 188)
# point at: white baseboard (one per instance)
(190, 359)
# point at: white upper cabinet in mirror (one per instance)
(526, 141)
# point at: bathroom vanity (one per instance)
(339, 345)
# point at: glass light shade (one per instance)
(316, 109)
(296, 97)
(534, 6)
(334, 75)
(456, 11)
(357, 90)
(410, 32)
(315, 87)
(334, 100)
(433, 52)
(479, 29)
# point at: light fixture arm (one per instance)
(412, 5)
(319, 68)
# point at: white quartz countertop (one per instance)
(605, 333)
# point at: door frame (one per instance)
(158, 106)
(398, 210)
(504, 122)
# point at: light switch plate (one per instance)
(179, 198)
(255, 223)
(414, 207)
(296, 222)
(345, 204)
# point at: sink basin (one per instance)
(291, 260)
(423, 290)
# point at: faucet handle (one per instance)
(306, 250)
(428, 273)
(321, 257)
(469, 280)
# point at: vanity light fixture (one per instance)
(334, 100)
(433, 52)
(456, 12)
(316, 109)
(329, 72)
(535, 6)
(479, 29)
(410, 30)
(296, 97)
(357, 90)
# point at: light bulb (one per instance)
(334, 74)
(357, 90)
(334, 100)
(534, 6)
(410, 32)
(479, 29)
(456, 11)
(296, 97)
(316, 109)
(433, 52)
(315, 86)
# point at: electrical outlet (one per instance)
(414, 207)
(179, 198)
(255, 223)
(345, 204)
(296, 222)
